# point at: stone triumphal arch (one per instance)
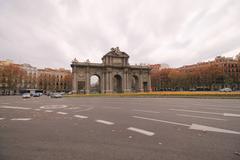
(114, 74)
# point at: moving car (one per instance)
(56, 95)
(225, 90)
(36, 95)
(26, 95)
(62, 93)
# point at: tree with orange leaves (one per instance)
(12, 78)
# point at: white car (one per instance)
(56, 95)
(225, 90)
(26, 95)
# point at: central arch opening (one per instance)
(95, 84)
(117, 84)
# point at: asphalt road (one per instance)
(119, 129)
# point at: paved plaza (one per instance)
(107, 128)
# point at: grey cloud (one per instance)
(52, 33)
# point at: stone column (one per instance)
(149, 83)
(107, 87)
(74, 80)
(107, 82)
(124, 81)
(141, 82)
(110, 82)
(87, 82)
(102, 82)
(127, 82)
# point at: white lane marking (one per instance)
(104, 122)
(87, 109)
(184, 110)
(222, 109)
(13, 107)
(37, 109)
(80, 116)
(148, 133)
(231, 115)
(216, 113)
(62, 113)
(2, 118)
(49, 111)
(193, 126)
(21, 119)
(210, 118)
(111, 107)
(55, 106)
(5, 103)
(213, 105)
(73, 108)
(211, 129)
(158, 120)
(199, 104)
(146, 111)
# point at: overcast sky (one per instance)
(51, 33)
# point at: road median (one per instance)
(174, 94)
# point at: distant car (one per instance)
(26, 95)
(36, 95)
(49, 93)
(225, 90)
(56, 95)
(62, 93)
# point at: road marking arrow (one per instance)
(193, 126)
(211, 129)
(231, 115)
(216, 113)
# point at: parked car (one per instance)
(49, 93)
(225, 90)
(26, 95)
(62, 93)
(36, 95)
(56, 95)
